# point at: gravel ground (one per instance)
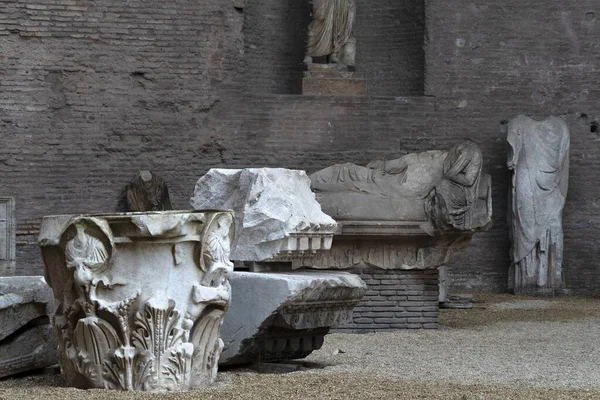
(514, 348)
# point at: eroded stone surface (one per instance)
(141, 297)
(283, 316)
(539, 162)
(277, 216)
(26, 338)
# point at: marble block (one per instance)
(27, 341)
(141, 296)
(284, 316)
(277, 216)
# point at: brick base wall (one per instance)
(396, 299)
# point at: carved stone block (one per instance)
(280, 316)
(27, 341)
(7, 236)
(277, 216)
(141, 296)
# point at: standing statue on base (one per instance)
(331, 32)
(539, 161)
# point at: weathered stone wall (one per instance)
(396, 299)
(489, 61)
(92, 92)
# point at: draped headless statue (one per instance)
(331, 32)
(539, 163)
(148, 192)
(438, 186)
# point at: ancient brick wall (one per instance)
(489, 61)
(90, 92)
(396, 299)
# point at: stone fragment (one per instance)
(277, 216)
(141, 297)
(539, 163)
(27, 341)
(285, 316)
(148, 192)
(8, 227)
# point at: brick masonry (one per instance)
(396, 299)
(90, 92)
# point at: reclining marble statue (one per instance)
(539, 163)
(435, 199)
(276, 313)
(140, 296)
(437, 186)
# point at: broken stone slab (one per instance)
(141, 296)
(277, 215)
(27, 340)
(285, 316)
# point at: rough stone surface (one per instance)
(539, 161)
(277, 216)
(141, 297)
(284, 316)
(8, 226)
(27, 341)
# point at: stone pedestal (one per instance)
(285, 316)
(141, 296)
(329, 79)
(27, 340)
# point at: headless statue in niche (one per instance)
(148, 192)
(437, 186)
(539, 162)
(331, 32)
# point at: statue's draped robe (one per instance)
(457, 191)
(446, 183)
(540, 162)
(331, 28)
(148, 195)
